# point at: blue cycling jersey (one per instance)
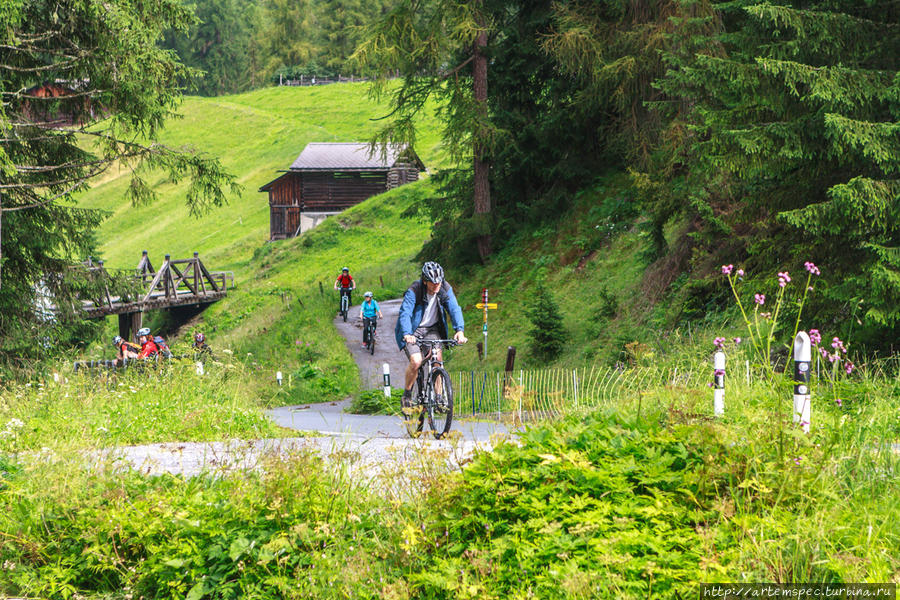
(369, 308)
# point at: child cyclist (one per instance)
(369, 312)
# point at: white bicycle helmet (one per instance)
(117, 340)
(368, 295)
(433, 272)
(144, 331)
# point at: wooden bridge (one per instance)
(177, 283)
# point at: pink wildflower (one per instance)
(849, 367)
(814, 336)
(726, 269)
(740, 272)
(759, 299)
(838, 346)
(719, 342)
(737, 340)
(839, 402)
(813, 269)
(784, 279)
(719, 373)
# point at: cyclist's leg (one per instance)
(432, 333)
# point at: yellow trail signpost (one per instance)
(486, 306)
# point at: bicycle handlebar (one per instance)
(424, 342)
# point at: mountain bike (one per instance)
(369, 326)
(425, 400)
(345, 302)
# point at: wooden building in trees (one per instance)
(59, 103)
(327, 178)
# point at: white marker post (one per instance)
(278, 377)
(198, 367)
(802, 362)
(719, 384)
(386, 369)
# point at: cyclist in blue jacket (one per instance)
(368, 312)
(422, 316)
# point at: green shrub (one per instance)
(373, 402)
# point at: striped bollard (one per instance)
(802, 362)
(386, 369)
(719, 384)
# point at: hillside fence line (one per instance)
(535, 394)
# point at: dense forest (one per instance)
(754, 133)
(236, 45)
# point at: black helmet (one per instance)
(433, 272)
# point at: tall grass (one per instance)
(159, 403)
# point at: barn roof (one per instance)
(352, 157)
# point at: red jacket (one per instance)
(148, 349)
(345, 281)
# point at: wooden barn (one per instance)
(327, 178)
(58, 103)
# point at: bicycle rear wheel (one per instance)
(413, 412)
(440, 412)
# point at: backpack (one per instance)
(163, 347)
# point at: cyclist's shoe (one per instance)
(406, 405)
(440, 401)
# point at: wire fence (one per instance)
(529, 395)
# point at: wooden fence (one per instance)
(543, 393)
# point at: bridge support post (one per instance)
(129, 323)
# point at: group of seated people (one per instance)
(151, 347)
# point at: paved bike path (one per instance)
(330, 418)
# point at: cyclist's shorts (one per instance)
(427, 333)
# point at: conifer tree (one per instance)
(791, 149)
(547, 335)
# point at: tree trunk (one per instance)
(481, 167)
(1, 239)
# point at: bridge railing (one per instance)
(176, 282)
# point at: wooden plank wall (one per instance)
(337, 191)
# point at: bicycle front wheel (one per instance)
(440, 406)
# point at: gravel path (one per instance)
(364, 457)
(370, 366)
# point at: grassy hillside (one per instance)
(254, 135)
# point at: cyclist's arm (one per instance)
(404, 317)
(456, 315)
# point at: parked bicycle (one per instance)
(432, 393)
(369, 326)
(345, 302)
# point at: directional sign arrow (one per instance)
(489, 305)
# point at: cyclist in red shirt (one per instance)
(149, 348)
(346, 285)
